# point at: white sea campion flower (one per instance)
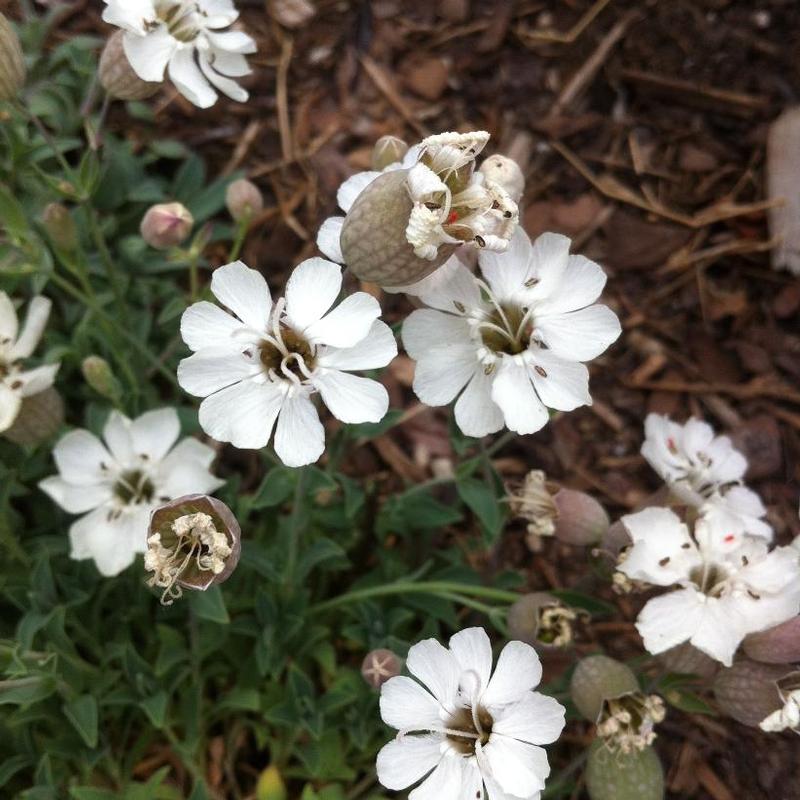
(728, 586)
(259, 369)
(121, 480)
(463, 731)
(788, 716)
(705, 471)
(516, 340)
(184, 37)
(17, 383)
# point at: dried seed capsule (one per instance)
(580, 519)
(599, 678)
(243, 200)
(633, 776)
(166, 225)
(542, 620)
(748, 691)
(12, 62)
(40, 417)
(194, 542)
(380, 665)
(117, 76)
(388, 150)
(778, 645)
(688, 660)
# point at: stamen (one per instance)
(401, 734)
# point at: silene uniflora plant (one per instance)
(208, 590)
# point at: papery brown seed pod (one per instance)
(373, 236)
(747, 691)
(624, 776)
(166, 549)
(388, 150)
(12, 61)
(379, 666)
(581, 520)
(243, 200)
(599, 678)
(166, 225)
(117, 76)
(40, 418)
(688, 660)
(778, 645)
(541, 620)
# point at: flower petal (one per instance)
(404, 761)
(81, 458)
(34, 381)
(513, 392)
(451, 288)
(245, 292)
(579, 335)
(214, 368)
(518, 767)
(476, 413)
(311, 290)
(579, 285)
(117, 437)
(518, 671)
(189, 80)
(10, 404)
(149, 55)
(351, 398)
(206, 325)
(507, 272)
(154, 433)
(406, 705)
(9, 324)
(130, 15)
(347, 324)
(437, 668)
(329, 239)
(232, 42)
(226, 85)
(299, 436)
(560, 384)
(352, 188)
(32, 329)
(75, 498)
(536, 718)
(442, 372)
(473, 651)
(111, 540)
(243, 414)
(427, 327)
(444, 783)
(376, 350)
(185, 470)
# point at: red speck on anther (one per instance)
(671, 445)
(452, 217)
(729, 538)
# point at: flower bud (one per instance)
(117, 76)
(688, 660)
(748, 691)
(40, 417)
(506, 172)
(270, 785)
(166, 225)
(244, 200)
(388, 150)
(580, 520)
(373, 237)
(778, 645)
(97, 373)
(60, 226)
(597, 679)
(12, 62)
(637, 775)
(542, 621)
(193, 542)
(380, 665)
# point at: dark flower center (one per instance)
(514, 340)
(273, 359)
(133, 486)
(462, 721)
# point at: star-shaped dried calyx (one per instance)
(379, 666)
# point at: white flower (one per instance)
(184, 38)
(516, 341)
(17, 383)
(264, 364)
(702, 470)
(120, 482)
(787, 717)
(729, 586)
(467, 732)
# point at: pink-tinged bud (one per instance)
(506, 172)
(748, 691)
(580, 520)
(388, 150)
(778, 645)
(611, 775)
(542, 621)
(166, 225)
(597, 679)
(688, 660)
(40, 418)
(12, 62)
(244, 200)
(193, 542)
(117, 76)
(379, 666)
(60, 226)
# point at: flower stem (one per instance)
(439, 588)
(242, 227)
(108, 262)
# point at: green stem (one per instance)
(423, 587)
(108, 262)
(295, 526)
(132, 340)
(242, 228)
(194, 277)
(46, 135)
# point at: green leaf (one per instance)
(240, 699)
(12, 215)
(323, 551)
(210, 605)
(155, 707)
(82, 713)
(92, 793)
(276, 487)
(483, 502)
(11, 766)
